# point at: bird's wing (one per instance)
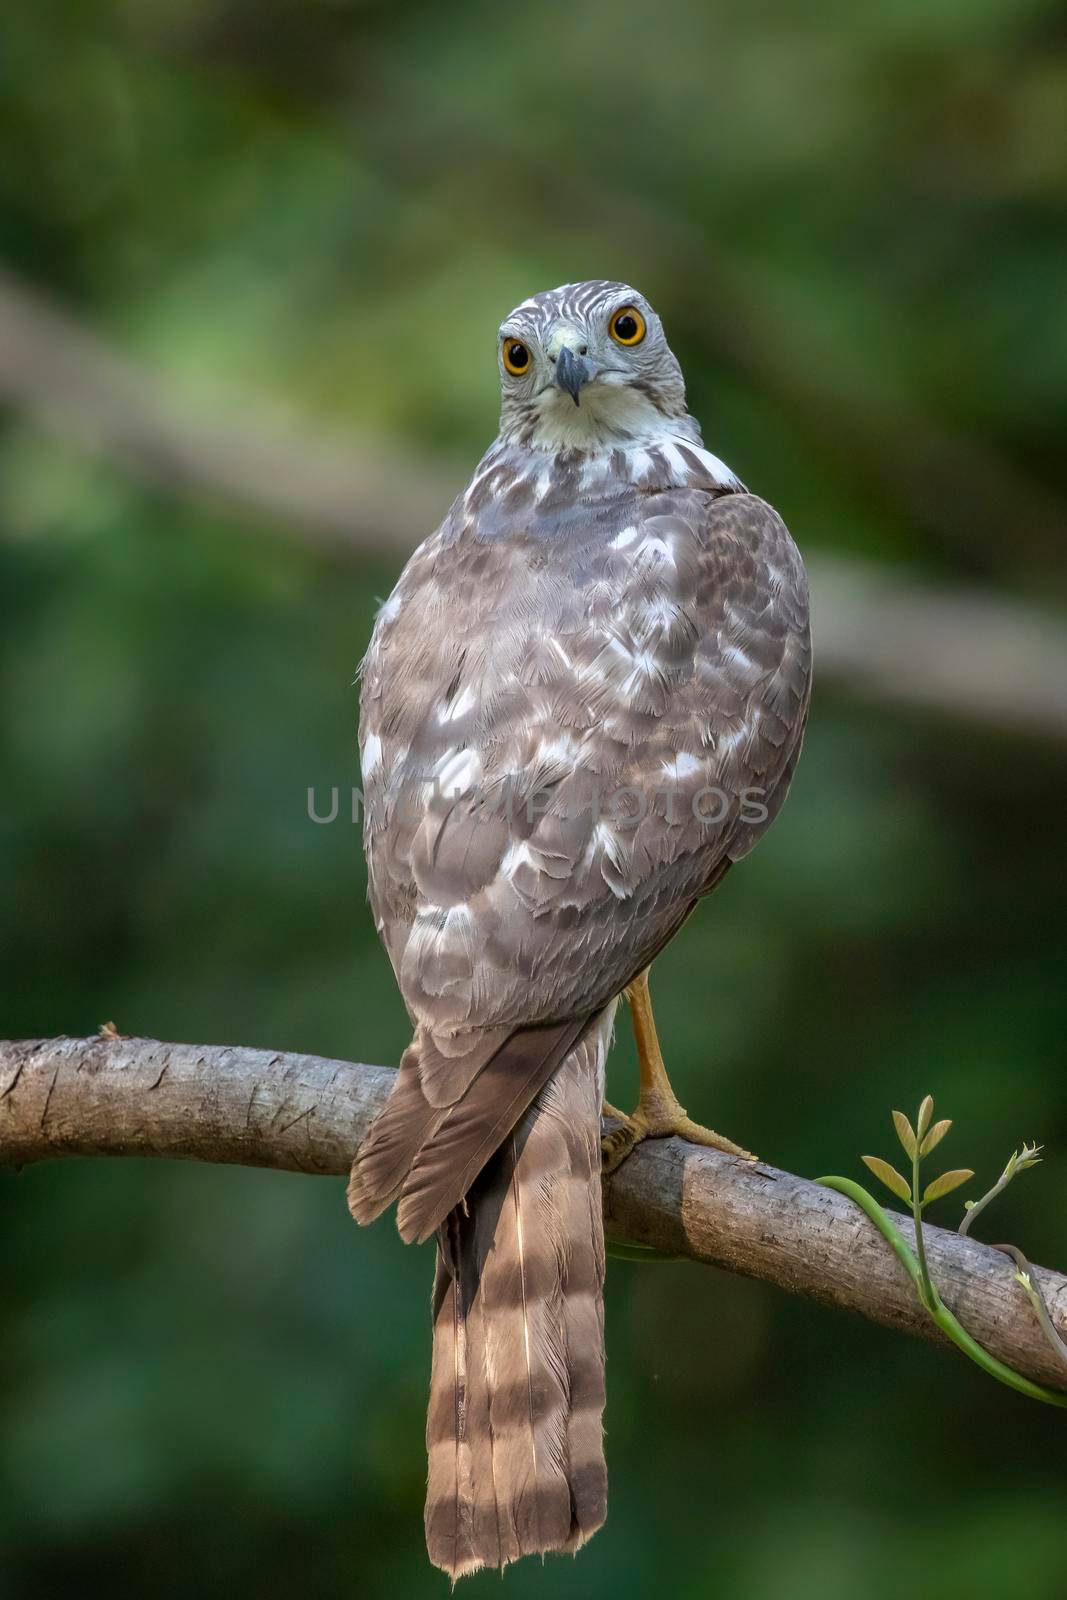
(567, 742)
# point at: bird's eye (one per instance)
(516, 357)
(627, 326)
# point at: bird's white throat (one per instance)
(610, 413)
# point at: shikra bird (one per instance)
(582, 703)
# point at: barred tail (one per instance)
(514, 1431)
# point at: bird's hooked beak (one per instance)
(572, 372)
(574, 369)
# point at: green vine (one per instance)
(918, 1143)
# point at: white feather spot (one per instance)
(623, 540)
(717, 469)
(514, 857)
(683, 765)
(618, 648)
(612, 848)
(561, 748)
(457, 771)
(728, 742)
(372, 754)
(734, 653)
(457, 707)
(595, 472)
(675, 462)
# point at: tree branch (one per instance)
(346, 494)
(137, 1097)
(987, 660)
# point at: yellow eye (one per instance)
(516, 357)
(627, 326)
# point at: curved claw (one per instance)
(659, 1119)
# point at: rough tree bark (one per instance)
(116, 1096)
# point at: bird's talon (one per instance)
(617, 1145)
(659, 1121)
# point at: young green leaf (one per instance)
(934, 1137)
(926, 1111)
(946, 1183)
(905, 1133)
(889, 1176)
(1021, 1161)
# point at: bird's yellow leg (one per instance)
(658, 1112)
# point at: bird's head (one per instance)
(587, 366)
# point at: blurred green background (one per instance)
(852, 220)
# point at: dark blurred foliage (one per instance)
(853, 221)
